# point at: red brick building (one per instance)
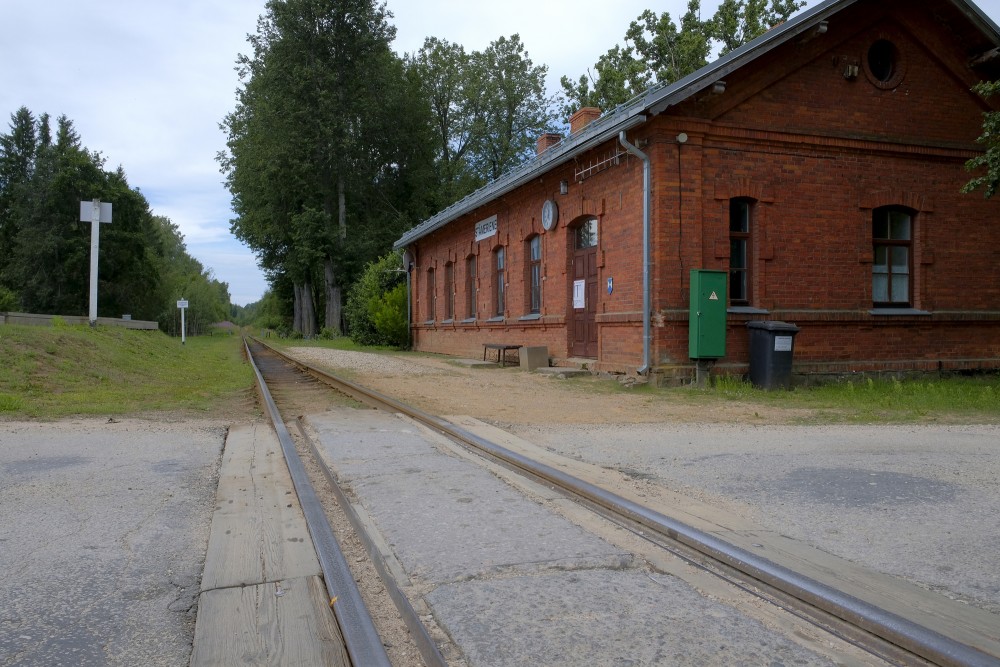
(820, 166)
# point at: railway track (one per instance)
(883, 633)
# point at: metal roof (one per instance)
(652, 102)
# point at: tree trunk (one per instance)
(308, 310)
(341, 208)
(333, 307)
(297, 308)
(333, 291)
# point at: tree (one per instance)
(739, 21)
(50, 258)
(515, 108)
(990, 138)
(184, 277)
(619, 77)
(46, 263)
(670, 53)
(321, 118)
(658, 52)
(451, 84)
(18, 151)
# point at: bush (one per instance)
(388, 313)
(377, 279)
(8, 300)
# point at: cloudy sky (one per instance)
(146, 83)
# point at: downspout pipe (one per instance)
(646, 250)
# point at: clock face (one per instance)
(550, 214)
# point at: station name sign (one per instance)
(486, 228)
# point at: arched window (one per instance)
(585, 235)
(470, 287)
(533, 281)
(431, 295)
(740, 250)
(499, 288)
(449, 291)
(892, 256)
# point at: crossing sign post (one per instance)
(182, 304)
(95, 212)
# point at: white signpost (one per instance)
(182, 304)
(95, 212)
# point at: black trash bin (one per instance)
(771, 346)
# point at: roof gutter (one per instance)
(646, 253)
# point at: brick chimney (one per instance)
(547, 141)
(583, 118)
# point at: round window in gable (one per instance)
(883, 64)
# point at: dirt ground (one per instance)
(447, 386)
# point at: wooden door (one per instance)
(583, 291)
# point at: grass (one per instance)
(62, 371)
(972, 399)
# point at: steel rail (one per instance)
(892, 628)
(425, 644)
(361, 639)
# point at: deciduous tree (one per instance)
(987, 165)
(658, 51)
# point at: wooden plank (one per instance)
(258, 531)
(288, 623)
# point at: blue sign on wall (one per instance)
(611, 285)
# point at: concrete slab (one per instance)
(511, 581)
(448, 520)
(600, 618)
(913, 501)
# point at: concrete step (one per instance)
(562, 373)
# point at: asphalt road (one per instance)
(103, 529)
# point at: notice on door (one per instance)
(579, 293)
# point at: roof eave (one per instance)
(596, 133)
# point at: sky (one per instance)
(147, 82)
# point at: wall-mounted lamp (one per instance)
(719, 87)
(563, 187)
(851, 72)
(682, 138)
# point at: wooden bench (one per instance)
(501, 349)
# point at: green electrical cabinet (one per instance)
(707, 326)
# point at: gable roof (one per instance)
(654, 101)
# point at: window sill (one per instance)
(747, 310)
(898, 311)
(532, 316)
(469, 320)
(448, 321)
(428, 323)
(498, 318)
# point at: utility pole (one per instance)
(95, 212)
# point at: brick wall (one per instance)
(817, 153)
